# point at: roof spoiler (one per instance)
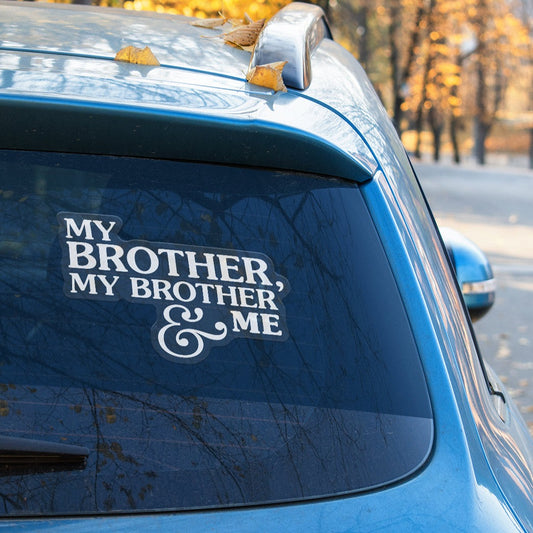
(292, 35)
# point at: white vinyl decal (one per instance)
(203, 296)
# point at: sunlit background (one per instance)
(455, 75)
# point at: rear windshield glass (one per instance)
(182, 336)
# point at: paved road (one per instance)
(494, 208)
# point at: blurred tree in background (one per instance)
(443, 65)
(256, 9)
(454, 68)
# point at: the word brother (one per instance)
(239, 290)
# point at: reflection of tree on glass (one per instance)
(255, 420)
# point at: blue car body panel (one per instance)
(178, 97)
(479, 475)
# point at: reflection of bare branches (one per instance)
(10, 502)
(251, 415)
(195, 431)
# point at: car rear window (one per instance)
(212, 337)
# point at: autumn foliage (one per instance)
(259, 9)
(451, 67)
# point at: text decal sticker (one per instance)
(203, 296)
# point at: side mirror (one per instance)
(473, 272)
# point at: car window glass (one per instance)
(215, 336)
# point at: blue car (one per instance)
(226, 306)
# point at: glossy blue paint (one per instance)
(505, 445)
(473, 271)
(187, 96)
(479, 476)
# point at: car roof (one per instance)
(61, 90)
(99, 32)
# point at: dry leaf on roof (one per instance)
(209, 23)
(236, 22)
(241, 22)
(245, 34)
(269, 75)
(139, 56)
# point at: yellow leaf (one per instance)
(244, 35)
(246, 48)
(139, 56)
(269, 75)
(209, 23)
